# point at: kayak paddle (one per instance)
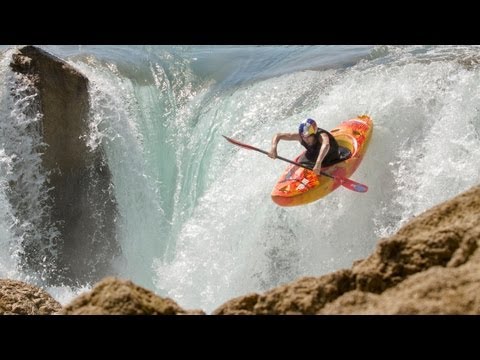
(348, 183)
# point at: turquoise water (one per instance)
(196, 220)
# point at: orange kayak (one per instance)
(300, 186)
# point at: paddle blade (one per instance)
(353, 185)
(238, 143)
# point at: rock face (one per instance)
(431, 266)
(81, 205)
(19, 298)
(118, 297)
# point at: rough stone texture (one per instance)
(430, 266)
(304, 296)
(437, 290)
(19, 298)
(445, 235)
(119, 297)
(82, 206)
(242, 305)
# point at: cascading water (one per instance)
(196, 222)
(24, 191)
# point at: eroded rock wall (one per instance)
(80, 203)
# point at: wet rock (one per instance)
(19, 298)
(119, 297)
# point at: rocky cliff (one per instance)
(113, 296)
(80, 209)
(19, 298)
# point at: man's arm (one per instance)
(323, 152)
(281, 136)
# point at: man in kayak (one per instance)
(322, 148)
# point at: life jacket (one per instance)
(314, 150)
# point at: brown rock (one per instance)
(19, 298)
(444, 235)
(304, 296)
(400, 256)
(353, 302)
(437, 290)
(113, 296)
(242, 305)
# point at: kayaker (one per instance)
(322, 148)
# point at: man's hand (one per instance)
(316, 169)
(273, 153)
